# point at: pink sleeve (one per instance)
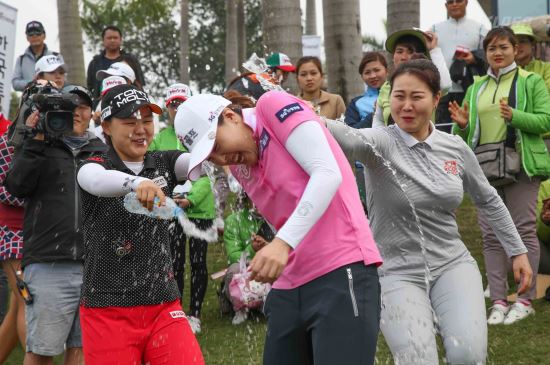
(282, 112)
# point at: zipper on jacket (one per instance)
(352, 293)
(496, 89)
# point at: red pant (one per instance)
(148, 334)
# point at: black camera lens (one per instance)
(59, 122)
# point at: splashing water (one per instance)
(258, 66)
(190, 229)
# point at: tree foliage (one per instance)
(151, 32)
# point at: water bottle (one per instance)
(168, 211)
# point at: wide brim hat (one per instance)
(196, 125)
(393, 39)
(525, 30)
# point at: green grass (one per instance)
(524, 343)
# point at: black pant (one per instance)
(442, 114)
(4, 293)
(333, 319)
(199, 271)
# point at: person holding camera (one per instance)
(44, 173)
(51, 68)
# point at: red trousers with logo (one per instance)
(147, 334)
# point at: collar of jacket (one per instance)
(148, 162)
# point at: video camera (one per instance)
(55, 110)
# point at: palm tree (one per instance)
(70, 40)
(241, 32)
(231, 41)
(403, 14)
(184, 41)
(311, 18)
(342, 25)
(282, 31)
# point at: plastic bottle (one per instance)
(168, 211)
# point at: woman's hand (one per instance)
(146, 193)
(183, 203)
(459, 115)
(268, 264)
(32, 121)
(506, 111)
(258, 242)
(431, 39)
(523, 274)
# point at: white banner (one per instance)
(311, 45)
(8, 18)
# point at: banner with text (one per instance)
(8, 18)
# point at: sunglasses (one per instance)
(449, 2)
(34, 33)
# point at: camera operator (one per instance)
(51, 68)
(43, 173)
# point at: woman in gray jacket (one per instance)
(416, 177)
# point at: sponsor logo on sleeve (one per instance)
(287, 111)
(96, 159)
(264, 142)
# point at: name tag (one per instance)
(160, 182)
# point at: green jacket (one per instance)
(530, 118)
(541, 68)
(203, 205)
(238, 229)
(201, 197)
(166, 140)
(543, 231)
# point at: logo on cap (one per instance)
(287, 111)
(189, 138)
(129, 96)
(106, 112)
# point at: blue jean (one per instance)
(52, 320)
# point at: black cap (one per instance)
(124, 100)
(34, 26)
(81, 91)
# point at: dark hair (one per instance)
(499, 32)
(238, 103)
(111, 27)
(315, 60)
(372, 57)
(411, 42)
(423, 69)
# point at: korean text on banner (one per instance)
(8, 17)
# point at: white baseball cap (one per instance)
(110, 82)
(196, 124)
(177, 91)
(117, 69)
(49, 63)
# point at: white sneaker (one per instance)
(240, 317)
(195, 324)
(518, 312)
(498, 313)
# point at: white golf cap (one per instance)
(117, 69)
(49, 63)
(110, 82)
(177, 91)
(196, 124)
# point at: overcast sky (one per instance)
(373, 12)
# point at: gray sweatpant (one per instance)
(521, 200)
(455, 299)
